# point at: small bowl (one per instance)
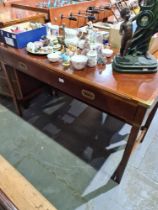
(57, 47)
(79, 61)
(107, 52)
(54, 56)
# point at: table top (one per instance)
(9, 14)
(34, 5)
(139, 88)
(54, 13)
(28, 4)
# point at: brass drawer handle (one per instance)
(22, 66)
(88, 94)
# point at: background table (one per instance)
(10, 16)
(54, 13)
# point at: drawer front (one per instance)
(4, 89)
(1, 72)
(112, 104)
(99, 99)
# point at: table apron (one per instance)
(115, 105)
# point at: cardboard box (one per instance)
(153, 47)
(114, 36)
(20, 40)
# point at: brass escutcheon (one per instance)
(88, 94)
(22, 66)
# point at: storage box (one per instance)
(20, 39)
(115, 38)
(153, 47)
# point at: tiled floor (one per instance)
(84, 132)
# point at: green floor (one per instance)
(62, 168)
(60, 175)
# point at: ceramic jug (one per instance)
(71, 37)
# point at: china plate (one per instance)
(40, 52)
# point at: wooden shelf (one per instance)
(17, 193)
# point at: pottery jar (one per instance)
(92, 58)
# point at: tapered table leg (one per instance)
(129, 147)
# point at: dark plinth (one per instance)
(135, 64)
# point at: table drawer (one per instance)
(4, 89)
(102, 100)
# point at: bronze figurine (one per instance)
(136, 59)
(126, 30)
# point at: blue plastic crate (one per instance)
(20, 40)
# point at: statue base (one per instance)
(135, 64)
